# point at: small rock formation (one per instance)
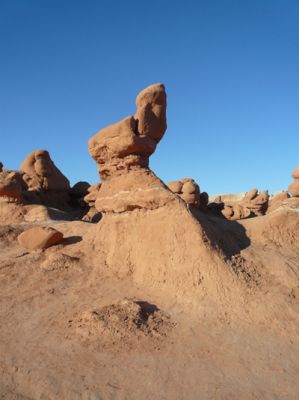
(294, 187)
(40, 238)
(40, 172)
(256, 202)
(39, 192)
(252, 204)
(11, 186)
(46, 184)
(122, 153)
(187, 189)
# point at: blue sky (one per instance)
(231, 70)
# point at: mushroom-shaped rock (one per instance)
(122, 153)
(40, 172)
(40, 238)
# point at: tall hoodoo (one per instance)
(145, 226)
(122, 152)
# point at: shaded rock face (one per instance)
(294, 187)
(122, 153)
(40, 172)
(80, 189)
(93, 215)
(252, 204)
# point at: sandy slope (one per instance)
(229, 331)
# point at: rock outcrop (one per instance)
(294, 187)
(40, 172)
(189, 191)
(252, 204)
(46, 183)
(122, 153)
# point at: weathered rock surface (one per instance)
(40, 172)
(40, 238)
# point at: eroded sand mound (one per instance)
(122, 325)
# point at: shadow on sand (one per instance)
(228, 236)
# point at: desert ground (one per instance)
(142, 289)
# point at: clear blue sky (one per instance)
(231, 69)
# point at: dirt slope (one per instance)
(159, 304)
